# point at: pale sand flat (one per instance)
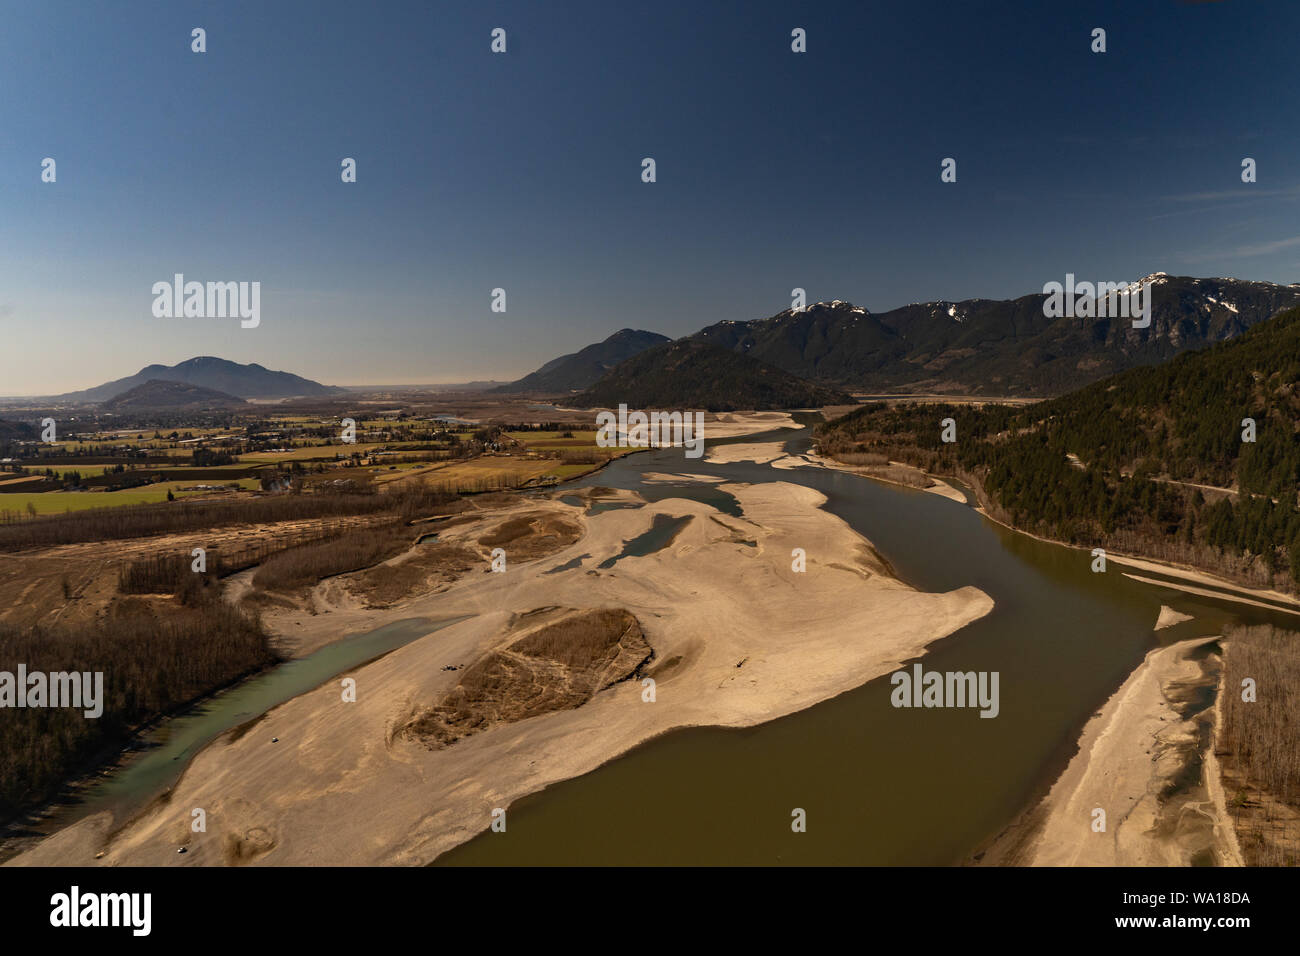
(342, 786)
(759, 452)
(1128, 755)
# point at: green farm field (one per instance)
(57, 502)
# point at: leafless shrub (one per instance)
(137, 521)
(1261, 739)
(863, 458)
(305, 565)
(152, 665)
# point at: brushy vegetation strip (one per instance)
(152, 665)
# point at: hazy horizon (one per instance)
(392, 381)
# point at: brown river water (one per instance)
(880, 785)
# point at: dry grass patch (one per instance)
(558, 665)
(241, 848)
(533, 535)
(434, 566)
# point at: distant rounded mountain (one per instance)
(688, 374)
(219, 375)
(581, 369)
(158, 394)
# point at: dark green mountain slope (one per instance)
(585, 367)
(692, 375)
(158, 394)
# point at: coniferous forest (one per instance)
(1157, 461)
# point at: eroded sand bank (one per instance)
(739, 638)
(1222, 590)
(1138, 762)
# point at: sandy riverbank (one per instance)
(1259, 597)
(739, 638)
(1146, 761)
(937, 486)
(1236, 597)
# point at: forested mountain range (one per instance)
(693, 375)
(994, 346)
(1121, 462)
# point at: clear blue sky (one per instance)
(522, 170)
